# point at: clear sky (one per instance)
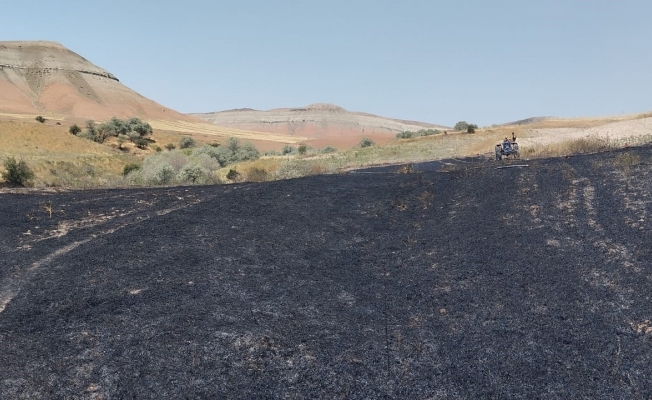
(483, 61)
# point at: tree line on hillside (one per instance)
(132, 129)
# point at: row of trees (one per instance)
(463, 126)
(419, 133)
(132, 129)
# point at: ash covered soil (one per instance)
(473, 282)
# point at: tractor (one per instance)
(505, 149)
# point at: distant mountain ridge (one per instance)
(322, 122)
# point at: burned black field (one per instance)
(473, 282)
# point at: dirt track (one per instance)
(477, 283)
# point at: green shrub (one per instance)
(140, 127)
(471, 128)
(158, 149)
(170, 146)
(232, 175)
(17, 173)
(288, 150)
(40, 119)
(141, 143)
(74, 129)
(246, 152)
(461, 126)
(302, 149)
(129, 168)
(366, 142)
(329, 149)
(192, 173)
(187, 142)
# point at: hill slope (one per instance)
(45, 78)
(375, 285)
(41, 77)
(322, 123)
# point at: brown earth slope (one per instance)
(324, 123)
(42, 77)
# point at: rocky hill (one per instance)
(45, 77)
(323, 123)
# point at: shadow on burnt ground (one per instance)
(473, 283)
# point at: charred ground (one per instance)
(466, 282)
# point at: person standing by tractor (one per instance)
(513, 138)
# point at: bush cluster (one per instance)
(419, 133)
(366, 142)
(191, 165)
(132, 129)
(302, 150)
(17, 172)
(463, 126)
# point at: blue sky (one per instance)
(485, 62)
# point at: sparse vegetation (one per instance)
(366, 142)
(133, 129)
(170, 146)
(419, 133)
(256, 174)
(187, 143)
(232, 175)
(471, 128)
(17, 172)
(74, 129)
(40, 119)
(129, 168)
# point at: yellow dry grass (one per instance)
(207, 129)
(59, 158)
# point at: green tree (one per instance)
(74, 129)
(461, 126)
(366, 142)
(187, 142)
(17, 172)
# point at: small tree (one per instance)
(141, 143)
(74, 129)
(471, 128)
(366, 142)
(40, 119)
(17, 173)
(302, 149)
(461, 126)
(187, 142)
(170, 146)
(287, 149)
